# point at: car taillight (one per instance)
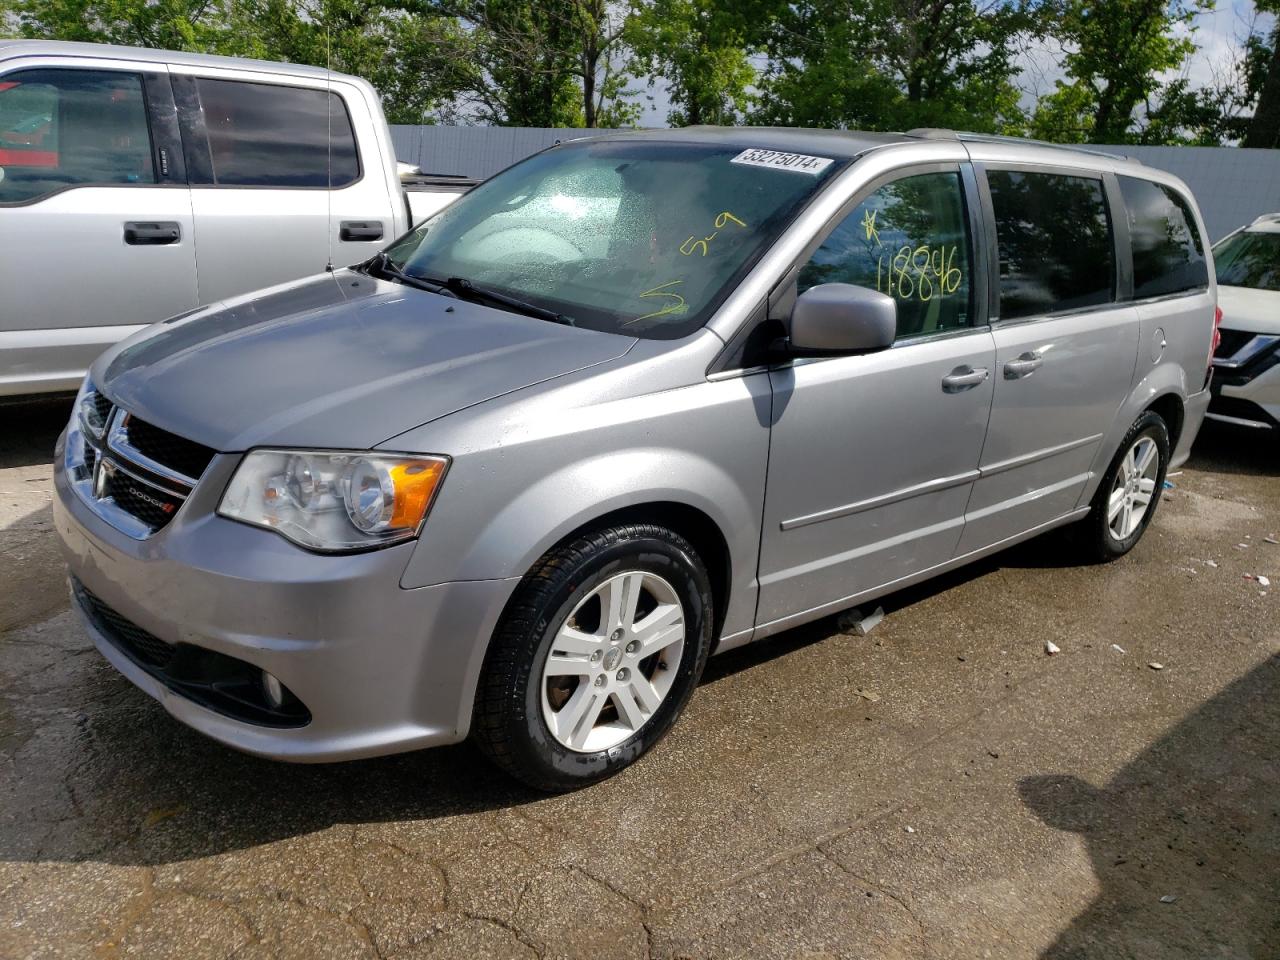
(1217, 333)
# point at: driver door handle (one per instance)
(1024, 366)
(964, 378)
(152, 233)
(360, 230)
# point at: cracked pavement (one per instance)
(939, 788)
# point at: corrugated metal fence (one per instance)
(1231, 185)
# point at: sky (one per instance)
(1219, 35)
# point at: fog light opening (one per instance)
(272, 690)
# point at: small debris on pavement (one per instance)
(852, 622)
(1168, 898)
(1176, 473)
(1271, 540)
(1242, 546)
(1155, 666)
(1051, 648)
(1169, 484)
(910, 829)
(1117, 648)
(1263, 581)
(868, 695)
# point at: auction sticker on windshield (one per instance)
(799, 162)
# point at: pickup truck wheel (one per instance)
(597, 654)
(1129, 492)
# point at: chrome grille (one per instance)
(131, 473)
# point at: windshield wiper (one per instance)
(461, 287)
(381, 263)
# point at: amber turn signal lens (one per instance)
(415, 483)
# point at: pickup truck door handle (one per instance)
(1024, 366)
(964, 378)
(150, 233)
(360, 230)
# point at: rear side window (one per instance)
(1168, 254)
(67, 128)
(909, 239)
(261, 135)
(1055, 242)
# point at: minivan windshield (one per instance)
(1250, 258)
(644, 238)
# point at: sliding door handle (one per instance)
(964, 378)
(1024, 366)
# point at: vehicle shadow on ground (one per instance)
(1190, 829)
(29, 429)
(116, 779)
(1223, 448)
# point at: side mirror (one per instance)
(840, 318)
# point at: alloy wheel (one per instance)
(1134, 488)
(613, 661)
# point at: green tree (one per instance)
(1117, 51)
(1264, 83)
(702, 50)
(896, 64)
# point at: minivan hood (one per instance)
(1250, 310)
(337, 361)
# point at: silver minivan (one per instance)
(637, 400)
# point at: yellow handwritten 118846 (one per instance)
(920, 273)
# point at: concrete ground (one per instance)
(940, 788)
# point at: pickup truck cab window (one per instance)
(1055, 243)
(267, 135)
(65, 128)
(643, 238)
(908, 239)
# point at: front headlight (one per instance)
(327, 500)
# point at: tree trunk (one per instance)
(1264, 129)
(590, 63)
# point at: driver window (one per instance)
(66, 128)
(909, 239)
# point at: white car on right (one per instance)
(1246, 378)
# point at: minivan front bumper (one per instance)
(378, 668)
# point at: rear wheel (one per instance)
(598, 653)
(1129, 492)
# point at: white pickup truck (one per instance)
(138, 184)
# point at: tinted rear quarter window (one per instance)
(261, 135)
(1055, 244)
(1168, 254)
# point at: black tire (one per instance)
(1093, 533)
(508, 722)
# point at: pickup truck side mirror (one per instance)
(840, 318)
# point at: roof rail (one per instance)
(1267, 218)
(941, 133)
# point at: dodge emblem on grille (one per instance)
(147, 498)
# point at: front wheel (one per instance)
(1130, 490)
(599, 651)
